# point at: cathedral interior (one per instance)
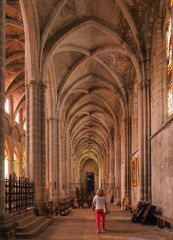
(86, 102)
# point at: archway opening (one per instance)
(89, 177)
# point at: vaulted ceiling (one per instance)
(15, 56)
(94, 49)
(92, 52)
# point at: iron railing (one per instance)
(19, 194)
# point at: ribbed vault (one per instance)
(15, 57)
(90, 56)
(92, 52)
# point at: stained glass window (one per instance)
(169, 60)
(169, 50)
(170, 101)
(7, 105)
(17, 118)
(24, 126)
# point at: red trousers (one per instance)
(100, 213)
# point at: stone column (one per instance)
(11, 154)
(6, 227)
(111, 159)
(58, 157)
(33, 134)
(36, 140)
(147, 132)
(117, 144)
(63, 166)
(27, 170)
(61, 158)
(42, 142)
(126, 141)
(140, 140)
(53, 159)
(107, 169)
(68, 165)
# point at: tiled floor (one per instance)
(81, 225)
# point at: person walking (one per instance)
(99, 205)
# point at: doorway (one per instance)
(90, 182)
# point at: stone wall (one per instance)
(161, 125)
(162, 170)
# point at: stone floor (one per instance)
(81, 225)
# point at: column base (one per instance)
(117, 201)
(6, 227)
(41, 209)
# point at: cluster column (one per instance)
(36, 153)
(141, 146)
(111, 165)
(117, 146)
(53, 161)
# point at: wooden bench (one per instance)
(163, 221)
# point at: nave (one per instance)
(81, 225)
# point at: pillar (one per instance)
(11, 149)
(61, 159)
(126, 140)
(111, 165)
(52, 158)
(6, 226)
(42, 140)
(147, 133)
(117, 145)
(140, 140)
(36, 158)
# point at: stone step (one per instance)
(28, 225)
(28, 218)
(36, 229)
(23, 214)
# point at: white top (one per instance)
(99, 202)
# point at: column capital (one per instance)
(35, 82)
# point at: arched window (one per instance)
(17, 118)
(24, 126)
(7, 105)
(169, 56)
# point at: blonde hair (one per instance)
(100, 192)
